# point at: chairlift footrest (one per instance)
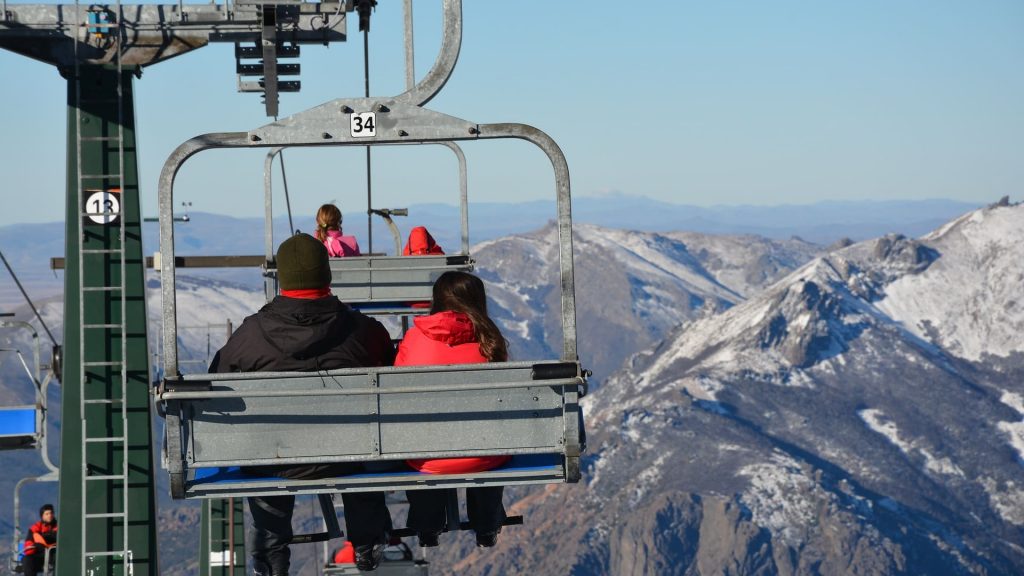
(310, 538)
(409, 532)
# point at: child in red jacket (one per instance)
(458, 331)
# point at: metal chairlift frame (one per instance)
(417, 566)
(39, 384)
(327, 125)
(324, 126)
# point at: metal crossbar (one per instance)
(212, 394)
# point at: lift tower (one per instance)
(107, 497)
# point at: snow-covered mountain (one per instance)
(836, 423)
(632, 288)
(969, 301)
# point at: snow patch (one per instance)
(1008, 503)
(953, 301)
(646, 480)
(778, 497)
(880, 423)
(1013, 400)
(1015, 430)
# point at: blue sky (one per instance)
(696, 102)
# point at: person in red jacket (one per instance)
(458, 331)
(421, 243)
(41, 535)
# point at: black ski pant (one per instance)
(366, 517)
(32, 564)
(483, 506)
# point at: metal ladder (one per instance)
(109, 480)
(224, 526)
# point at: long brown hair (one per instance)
(328, 217)
(462, 292)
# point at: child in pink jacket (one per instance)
(328, 231)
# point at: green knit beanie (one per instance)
(302, 264)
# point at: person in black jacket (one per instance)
(306, 329)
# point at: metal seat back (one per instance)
(374, 283)
(20, 427)
(372, 414)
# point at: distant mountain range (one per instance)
(29, 247)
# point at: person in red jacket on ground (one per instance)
(458, 331)
(41, 535)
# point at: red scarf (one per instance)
(307, 293)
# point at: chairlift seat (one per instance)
(385, 284)
(221, 421)
(19, 427)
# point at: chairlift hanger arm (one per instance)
(451, 43)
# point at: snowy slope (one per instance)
(632, 288)
(977, 279)
(746, 264)
(207, 308)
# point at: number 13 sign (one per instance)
(103, 207)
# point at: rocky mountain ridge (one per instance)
(812, 429)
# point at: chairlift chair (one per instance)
(23, 426)
(217, 423)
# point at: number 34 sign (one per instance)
(363, 125)
(103, 207)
